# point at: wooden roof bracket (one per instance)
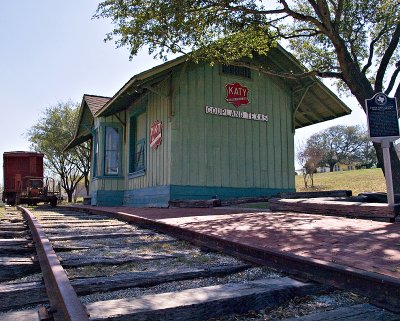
(155, 91)
(90, 129)
(298, 105)
(174, 88)
(123, 123)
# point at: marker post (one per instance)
(383, 128)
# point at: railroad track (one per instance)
(76, 266)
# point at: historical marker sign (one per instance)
(382, 117)
(383, 127)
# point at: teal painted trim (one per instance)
(157, 196)
(108, 198)
(95, 149)
(181, 192)
(93, 200)
(141, 108)
(137, 174)
(110, 177)
(120, 132)
(133, 141)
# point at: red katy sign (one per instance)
(156, 134)
(236, 94)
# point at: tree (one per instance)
(310, 157)
(343, 144)
(49, 137)
(367, 155)
(326, 147)
(355, 42)
(81, 160)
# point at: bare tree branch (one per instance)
(397, 95)
(339, 11)
(301, 17)
(393, 79)
(293, 76)
(252, 11)
(354, 54)
(386, 58)
(299, 34)
(371, 48)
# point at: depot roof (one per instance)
(313, 101)
(90, 105)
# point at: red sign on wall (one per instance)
(156, 134)
(237, 94)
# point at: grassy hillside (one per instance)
(363, 180)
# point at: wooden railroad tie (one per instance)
(99, 236)
(202, 303)
(28, 293)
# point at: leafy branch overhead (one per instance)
(353, 41)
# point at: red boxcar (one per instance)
(17, 166)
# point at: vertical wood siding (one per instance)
(157, 160)
(199, 149)
(217, 151)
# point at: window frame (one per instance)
(119, 149)
(95, 148)
(134, 170)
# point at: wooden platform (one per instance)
(195, 203)
(331, 206)
(333, 193)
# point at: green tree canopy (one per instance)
(341, 144)
(50, 135)
(355, 42)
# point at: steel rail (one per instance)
(64, 302)
(383, 290)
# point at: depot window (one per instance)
(95, 149)
(137, 150)
(112, 151)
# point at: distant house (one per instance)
(299, 171)
(194, 131)
(323, 169)
(344, 167)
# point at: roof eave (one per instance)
(77, 141)
(138, 80)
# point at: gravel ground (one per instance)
(122, 249)
(28, 278)
(110, 242)
(203, 260)
(300, 306)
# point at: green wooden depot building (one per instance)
(194, 131)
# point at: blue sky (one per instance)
(52, 51)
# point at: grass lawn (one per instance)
(363, 180)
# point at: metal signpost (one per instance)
(383, 128)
